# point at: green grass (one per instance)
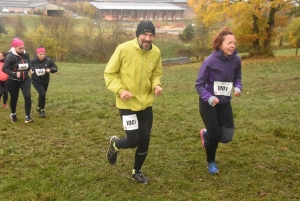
(63, 157)
(286, 52)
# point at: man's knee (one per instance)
(139, 142)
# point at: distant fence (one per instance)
(176, 61)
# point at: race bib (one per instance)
(23, 66)
(222, 88)
(40, 72)
(130, 122)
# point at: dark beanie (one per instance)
(145, 26)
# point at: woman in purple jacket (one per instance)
(219, 73)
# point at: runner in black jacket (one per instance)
(42, 66)
(17, 65)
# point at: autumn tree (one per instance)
(293, 32)
(89, 10)
(59, 31)
(255, 21)
(41, 36)
(295, 11)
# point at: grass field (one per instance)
(63, 157)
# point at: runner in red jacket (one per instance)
(3, 81)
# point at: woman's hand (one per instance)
(237, 94)
(215, 102)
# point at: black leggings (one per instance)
(41, 89)
(214, 118)
(3, 91)
(140, 137)
(13, 87)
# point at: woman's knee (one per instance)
(226, 134)
(214, 133)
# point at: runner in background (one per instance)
(17, 65)
(41, 67)
(3, 81)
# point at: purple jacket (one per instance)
(217, 67)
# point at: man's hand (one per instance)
(158, 90)
(126, 95)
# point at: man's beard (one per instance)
(145, 48)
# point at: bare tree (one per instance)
(20, 27)
(2, 28)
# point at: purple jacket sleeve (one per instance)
(238, 76)
(201, 82)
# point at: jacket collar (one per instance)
(219, 54)
(13, 50)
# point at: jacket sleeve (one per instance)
(237, 83)
(9, 60)
(157, 73)
(29, 63)
(111, 73)
(202, 81)
(53, 67)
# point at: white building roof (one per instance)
(135, 1)
(135, 6)
(22, 4)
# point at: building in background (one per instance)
(106, 9)
(139, 9)
(30, 7)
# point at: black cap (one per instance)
(145, 26)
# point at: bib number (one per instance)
(23, 66)
(130, 122)
(222, 88)
(40, 72)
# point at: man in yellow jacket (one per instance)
(133, 73)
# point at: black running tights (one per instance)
(13, 87)
(140, 137)
(214, 118)
(41, 89)
(3, 91)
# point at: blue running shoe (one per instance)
(212, 168)
(203, 137)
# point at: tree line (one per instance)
(257, 24)
(65, 40)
